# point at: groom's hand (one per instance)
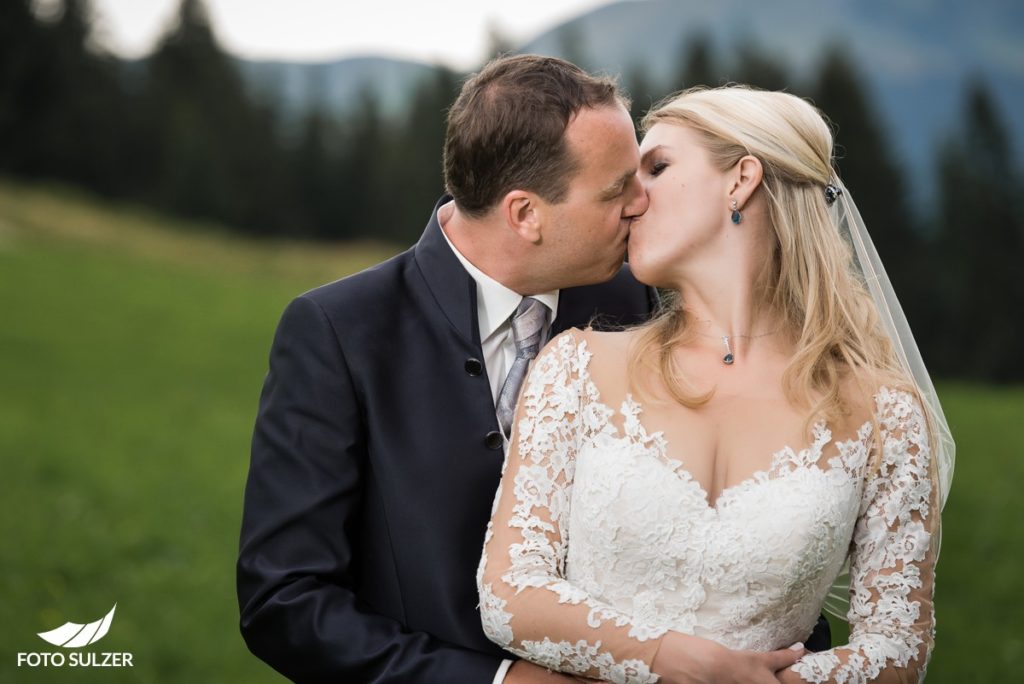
(524, 672)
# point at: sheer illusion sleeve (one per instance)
(527, 605)
(892, 566)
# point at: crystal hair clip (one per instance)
(832, 192)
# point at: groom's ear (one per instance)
(522, 212)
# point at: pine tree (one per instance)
(870, 171)
(979, 294)
(59, 97)
(82, 143)
(314, 175)
(214, 153)
(364, 187)
(642, 93)
(418, 162)
(698, 66)
(25, 93)
(757, 68)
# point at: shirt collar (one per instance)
(495, 302)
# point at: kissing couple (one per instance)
(505, 456)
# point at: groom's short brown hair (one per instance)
(506, 129)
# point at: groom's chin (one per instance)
(603, 274)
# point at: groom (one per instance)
(383, 419)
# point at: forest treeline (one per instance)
(179, 131)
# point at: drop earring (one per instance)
(737, 217)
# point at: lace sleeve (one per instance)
(892, 569)
(527, 606)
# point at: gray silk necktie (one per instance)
(527, 331)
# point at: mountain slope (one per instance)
(916, 56)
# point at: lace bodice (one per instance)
(599, 543)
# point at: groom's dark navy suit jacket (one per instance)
(375, 460)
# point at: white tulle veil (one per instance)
(869, 266)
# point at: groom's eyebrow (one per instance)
(616, 188)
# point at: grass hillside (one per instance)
(132, 350)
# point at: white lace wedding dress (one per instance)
(600, 543)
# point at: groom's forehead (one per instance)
(603, 139)
(607, 156)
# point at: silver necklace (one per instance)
(729, 357)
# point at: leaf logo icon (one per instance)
(74, 635)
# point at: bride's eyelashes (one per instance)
(657, 168)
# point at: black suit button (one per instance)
(493, 440)
(474, 367)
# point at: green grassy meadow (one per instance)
(132, 351)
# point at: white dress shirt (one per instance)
(495, 305)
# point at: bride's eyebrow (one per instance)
(650, 153)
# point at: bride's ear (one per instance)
(745, 179)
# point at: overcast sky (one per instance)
(452, 31)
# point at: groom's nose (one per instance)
(638, 201)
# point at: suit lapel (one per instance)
(450, 285)
(570, 312)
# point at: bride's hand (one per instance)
(787, 676)
(684, 659)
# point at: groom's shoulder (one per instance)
(368, 289)
(623, 300)
(622, 284)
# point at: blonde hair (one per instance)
(809, 280)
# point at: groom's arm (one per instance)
(821, 637)
(298, 612)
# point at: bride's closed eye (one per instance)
(657, 168)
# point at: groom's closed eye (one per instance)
(616, 189)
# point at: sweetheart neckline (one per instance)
(820, 430)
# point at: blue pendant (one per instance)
(737, 217)
(728, 358)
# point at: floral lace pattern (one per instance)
(648, 552)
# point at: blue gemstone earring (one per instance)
(737, 217)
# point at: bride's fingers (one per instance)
(783, 658)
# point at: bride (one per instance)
(679, 498)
